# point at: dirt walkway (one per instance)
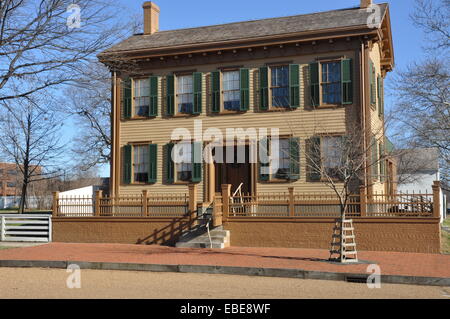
(103, 284)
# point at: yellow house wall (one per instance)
(302, 122)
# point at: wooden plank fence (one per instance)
(272, 205)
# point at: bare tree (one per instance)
(43, 43)
(422, 90)
(89, 102)
(30, 137)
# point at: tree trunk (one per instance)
(23, 198)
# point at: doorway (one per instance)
(232, 172)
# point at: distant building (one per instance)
(11, 184)
(417, 169)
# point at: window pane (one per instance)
(280, 86)
(332, 155)
(141, 162)
(141, 97)
(331, 83)
(231, 90)
(184, 169)
(185, 93)
(283, 160)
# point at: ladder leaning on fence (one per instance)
(344, 242)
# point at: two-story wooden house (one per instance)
(312, 76)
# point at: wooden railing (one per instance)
(264, 205)
(292, 205)
(143, 205)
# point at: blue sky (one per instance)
(176, 14)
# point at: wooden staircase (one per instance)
(343, 246)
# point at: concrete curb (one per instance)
(230, 270)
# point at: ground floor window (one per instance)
(141, 163)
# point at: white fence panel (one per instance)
(31, 228)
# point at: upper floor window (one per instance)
(11, 184)
(185, 94)
(331, 82)
(280, 86)
(231, 91)
(141, 97)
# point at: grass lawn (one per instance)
(3, 247)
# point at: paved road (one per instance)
(51, 283)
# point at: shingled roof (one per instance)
(336, 19)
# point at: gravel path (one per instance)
(51, 283)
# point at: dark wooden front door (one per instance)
(234, 173)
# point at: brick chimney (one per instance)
(151, 17)
(366, 3)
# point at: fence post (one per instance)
(226, 193)
(98, 197)
(192, 200)
(144, 203)
(291, 201)
(363, 201)
(55, 204)
(436, 199)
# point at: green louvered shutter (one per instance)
(347, 83)
(153, 163)
(153, 108)
(263, 159)
(245, 89)
(314, 159)
(379, 94)
(198, 88)
(374, 164)
(294, 149)
(215, 91)
(264, 88)
(170, 165)
(126, 100)
(197, 160)
(294, 86)
(126, 164)
(314, 84)
(170, 95)
(373, 96)
(382, 95)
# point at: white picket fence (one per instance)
(31, 228)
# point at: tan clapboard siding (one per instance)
(302, 122)
(377, 124)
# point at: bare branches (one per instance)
(434, 18)
(89, 102)
(39, 51)
(422, 90)
(30, 138)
